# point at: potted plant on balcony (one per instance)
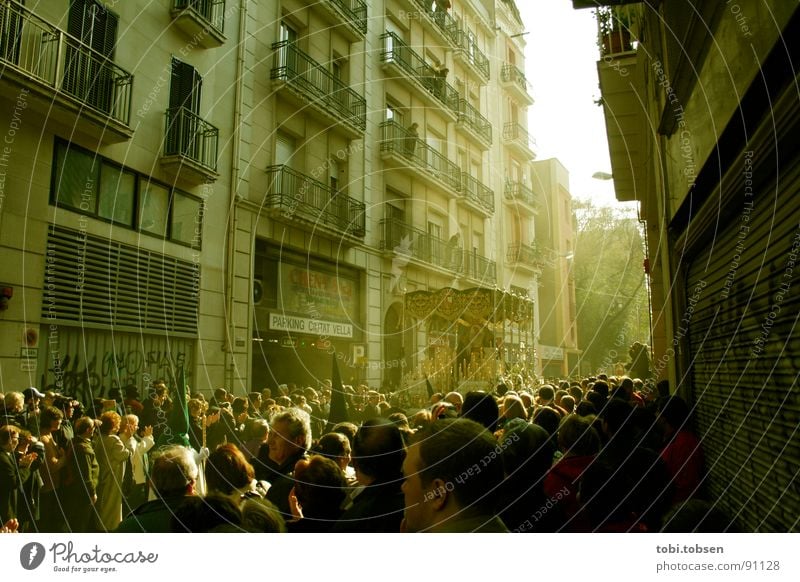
(614, 30)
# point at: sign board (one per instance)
(551, 352)
(280, 322)
(29, 353)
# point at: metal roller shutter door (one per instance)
(742, 305)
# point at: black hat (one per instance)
(32, 392)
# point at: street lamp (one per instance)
(602, 176)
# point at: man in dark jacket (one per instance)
(13, 472)
(79, 491)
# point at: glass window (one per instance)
(187, 220)
(76, 179)
(154, 209)
(117, 188)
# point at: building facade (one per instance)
(241, 189)
(701, 112)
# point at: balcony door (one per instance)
(87, 74)
(287, 57)
(184, 126)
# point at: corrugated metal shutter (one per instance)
(86, 363)
(741, 315)
(99, 282)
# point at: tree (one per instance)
(610, 288)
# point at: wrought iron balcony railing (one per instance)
(477, 192)
(519, 192)
(405, 142)
(529, 255)
(212, 11)
(300, 196)
(317, 84)
(511, 74)
(192, 137)
(515, 134)
(353, 10)
(479, 267)
(48, 55)
(441, 18)
(472, 118)
(396, 51)
(472, 54)
(404, 239)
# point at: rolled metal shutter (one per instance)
(742, 300)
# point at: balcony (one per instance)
(526, 256)
(406, 151)
(471, 56)
(514, 80)
(348, 16)
(298, 198)
(477, 195)
(474, 124)
(479, 268)
(307, 83)
(520, 194)
(440, 22)
(420, 247)
(403, 62)
(69, 82)
(203, 21)
(190, 147)
(517, 137)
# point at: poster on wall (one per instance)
(321, 295)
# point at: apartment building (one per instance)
(241, 189)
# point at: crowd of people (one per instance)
(598, 455)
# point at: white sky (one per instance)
(560, 58)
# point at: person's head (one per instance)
(348, 429)
(130, 424)
(319, 485)
(548, 419)
(513, 408)
(261, 516)
(259, 430)
(577, 437)
(673, 414)
(254, 398)
(239, 406)
(481, 408)
(290, 434)
(110, 422)
(585, 408)
(9, 437)
(601, 387)
(576, 392)
(50, 419)
(220, 395)
(378, 451)
(84, 427)
(32, 397)
(14, 402)
(227, 472)
(455, 399)
(546, 395)
(173, 472)
(335, 446)
(568, 403)
(434, 488)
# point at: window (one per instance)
(285, 149)
(94, 186)
(187, 219)
(86, 77)
(76, 179)
(116, 193)
(154, 209)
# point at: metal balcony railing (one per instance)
(479, 267)
(516, 134)
(477, 192)
(297, 195)
(212, 11)
(403, 238)
(441, 18)
(47, 54)
(190, 136)
(353, 10)
(397, 139)
(396, 51)
(618, 28)
(529, 255)
(469, 49)
(521, 193)
(317, 84)
(511, 74)
(470, 116)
